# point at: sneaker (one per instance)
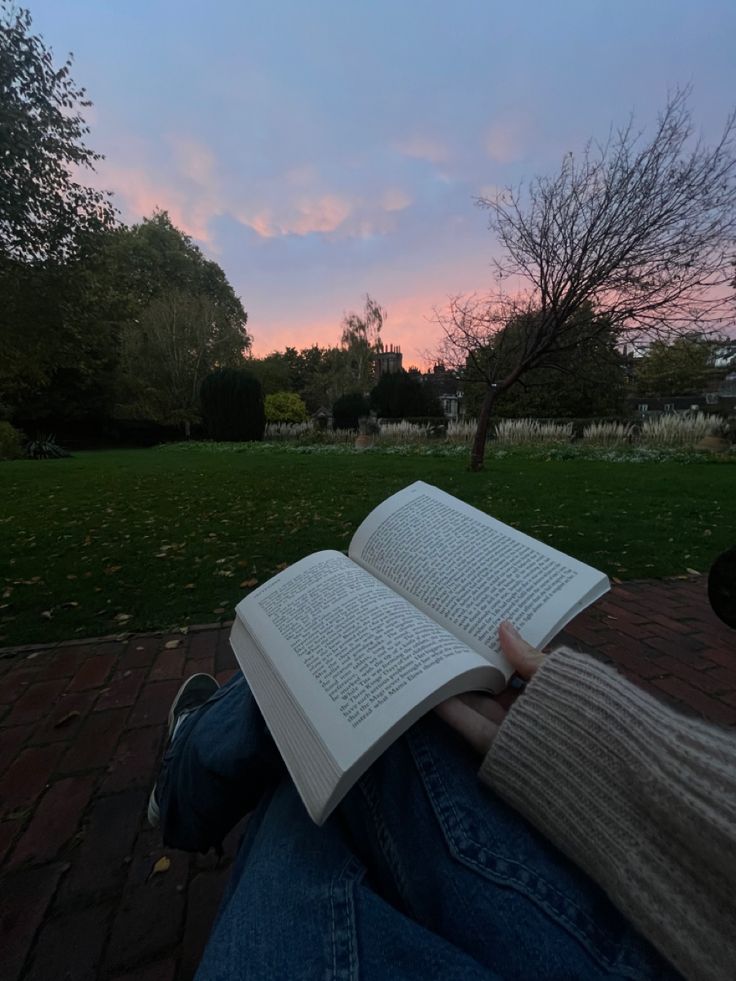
(193, 693)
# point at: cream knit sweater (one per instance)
(638, 795)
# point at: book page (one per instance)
(356, 655)
(469, 571)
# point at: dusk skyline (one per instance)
(322, 151)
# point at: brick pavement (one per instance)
(81, 729)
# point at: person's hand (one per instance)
(477, 717)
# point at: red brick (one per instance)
(725, 658)
(35, 701)
(136, 759)
(152, 707)
(140, 652)
(55, 820)
(586, 631)
(204, 665)
(203, 644)
(160, 971)
(11, 742)
(637, 664)
(713, 710)
(203, 900)
(8, 832)
(63, 724)
(677, 646)
(636, 631)
(24, 898)
(70, 946)
(17, 681)
(93, 673)
(122, 690)
(109, 832)
(147, 899)
(27, 776)
(169, 664)
(64, 662)
(95, 742)
(702, 680)
(114, 647)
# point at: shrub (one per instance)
(286, 430)
(348, 409)
(232, 405)
(532, 431)
(285, 407)
(608, 433)
(462, 430)
(11, 442)
(45, 448)
(678, 430)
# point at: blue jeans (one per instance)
(421, 872)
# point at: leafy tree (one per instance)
(285, 407)
(273, 372)
(232, 405)
(587, 380)
(679, 368)
(182, 321)
(403, 395)
(348, 409)
(361, 338)
(642, 230)
(44, 210)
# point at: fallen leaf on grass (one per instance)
(189, 585)
(219, 609)
(249, 583)
(47, 614)
(281, 566)
(66, 719)
(693, 572)
(171, 644)
(123, 617)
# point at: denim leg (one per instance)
(298, 907)
(460, 862)
(420, 873)
(217, 768)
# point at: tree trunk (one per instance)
(478, 452)
(187, 429)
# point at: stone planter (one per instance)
(364, 441)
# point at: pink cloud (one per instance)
(394, 199)
(422, 147)
(138, 194)
(193, 159)
(505, 141)
(304, 216)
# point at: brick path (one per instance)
(81, 729)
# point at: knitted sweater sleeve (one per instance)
(639, 796)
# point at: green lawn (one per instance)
(146, 539)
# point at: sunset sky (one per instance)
(321, 150)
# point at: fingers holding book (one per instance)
(477, 717)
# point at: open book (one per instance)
(344, 653)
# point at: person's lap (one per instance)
(420, 872)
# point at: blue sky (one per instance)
(321, 150)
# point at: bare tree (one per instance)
(641, 230)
